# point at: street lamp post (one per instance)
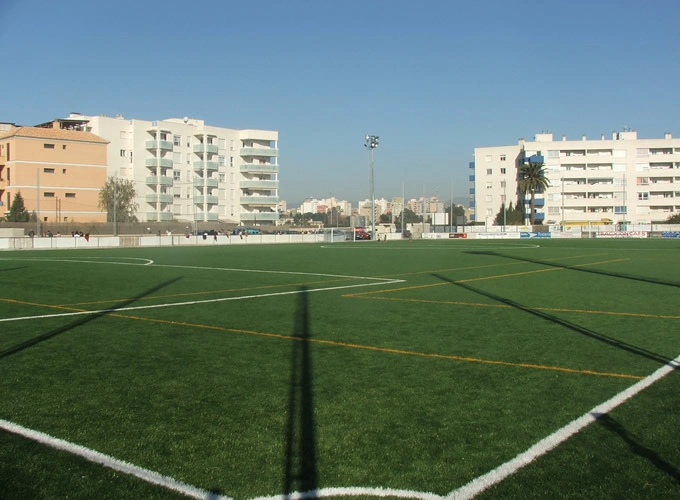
(371, 144)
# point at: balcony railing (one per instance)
(205, 182)
(159, 216)
(259, 167)
(158, 162)
(259, 184)
(259, 200)
(206, 148)
(206, 165)
(159, 179)
(162, 145)
(268, 152)
(210, 199)
(261, 216)
(155, 198)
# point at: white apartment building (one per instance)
(186, 170)
(592, 181)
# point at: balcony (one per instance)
(259, 216)
(203, 216)
(156, 198)
(158, 162)
(259, 168)
(209, 199)
(205, 165)
(159, 179)
(162, 145)
(159, 216)
(205, 148)
(209, 182)
(259, 200)
(471, 178)
(268, 152)
(538, 202)
(259, 184)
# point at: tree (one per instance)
(18, 212)
(118, 195)
(513, 216)
(531, 179)
(458, 211)
(674, 219)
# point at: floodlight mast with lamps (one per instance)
(371, 144)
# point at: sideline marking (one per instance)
(481, 483)
(107, 461)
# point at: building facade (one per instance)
(622, 179)
(186, 170)
(59, 172)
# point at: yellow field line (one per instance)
(386, 349)
(350, 346)
(490, 265)
(505, 306)
(482, 278)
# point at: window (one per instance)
(122, 134)
(642, 181)
(220, 161)
(70, 195)
(130, 156)
(489, 185)
(489, 198)
(48, 170)
(221, 143)
(63, 146)
(489, 171)
(63, 170)
(503, 184)
(231, 161)
(48, 146)
(177, 140)
(177, 175)
(487, 158)
(123, 153)
(503, 170)
(489, 211)
(643, 196)
(48, 195)
(502, 157)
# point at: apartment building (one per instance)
(186, 170)
(592, 181)
(59, 172)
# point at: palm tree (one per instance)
(531, 179)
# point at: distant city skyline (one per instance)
(433, 79)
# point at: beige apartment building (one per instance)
(606, 180)
(58, 172)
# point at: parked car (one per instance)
(358, 234)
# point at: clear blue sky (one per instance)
(434, 79)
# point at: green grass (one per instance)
(460, 357)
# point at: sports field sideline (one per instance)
(423, 369)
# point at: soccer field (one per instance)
(423, 369)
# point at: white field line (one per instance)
(195, 302)
(476, 486)
(353, 491)
(146, 262)
(112, 463)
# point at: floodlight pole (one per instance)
(371, 144)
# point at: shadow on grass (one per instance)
(562, 322)
(12, 268)
(300, 472)
(80, 322)
(579, 268)
(636, 447)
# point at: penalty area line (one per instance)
(107, 461)
(478, 485)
